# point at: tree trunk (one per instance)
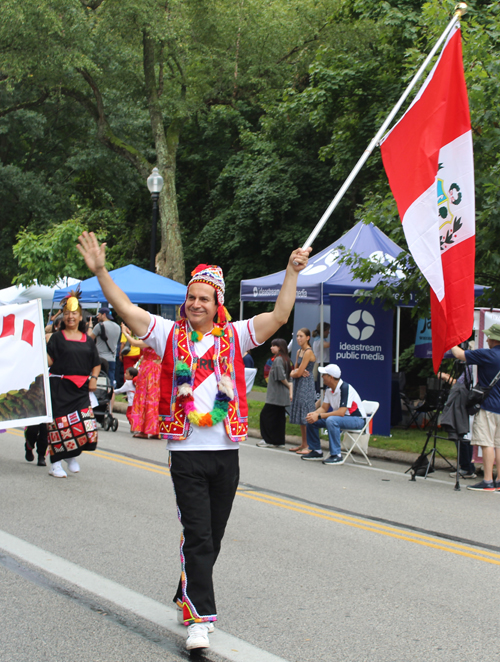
(170, 259)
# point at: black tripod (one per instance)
(427, 458)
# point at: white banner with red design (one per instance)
(24, 379)
(429, 162)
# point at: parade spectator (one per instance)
(278, 397)
(106, 334)
(128, 388)
(248, 360)
(74, 367)
(319, 351)
(304, 391)
(203, 412)
(129, 354)
(486, 426)
(53, 325)
(144, 413)
(50, 324)
(342, 409)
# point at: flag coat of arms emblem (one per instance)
(429, 162)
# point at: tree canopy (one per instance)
(254, 111)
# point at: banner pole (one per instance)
(460, 10)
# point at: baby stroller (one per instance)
(103, 394)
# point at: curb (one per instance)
(120, 407)
(376, 453)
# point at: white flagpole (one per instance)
(460, 10)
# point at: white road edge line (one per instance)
(232, 648)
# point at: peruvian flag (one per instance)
(429, 162)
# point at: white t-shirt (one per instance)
(333, 397)
(205, 386)
(345, 395)
(128, 388)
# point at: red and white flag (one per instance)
(24, 380)
(428, 159)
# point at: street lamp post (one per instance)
(155, 185)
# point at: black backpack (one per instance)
(103, 335)
(478, 394)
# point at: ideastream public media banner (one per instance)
(361, 345)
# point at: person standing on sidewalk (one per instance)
(106, 334)
(203, 411)
(278, 397)
(486, 426)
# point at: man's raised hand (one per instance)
(93, 254)
(298, 259)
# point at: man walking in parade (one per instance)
(203, 411)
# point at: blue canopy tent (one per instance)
(353, 325)
(324, 278)
(324, 275)
(139, 285)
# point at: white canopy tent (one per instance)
(22, 294)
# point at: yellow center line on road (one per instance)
(138, 464)
(374, 527)
(318, 512)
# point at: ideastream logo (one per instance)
(360, 326)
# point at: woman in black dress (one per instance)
(278, 397)
(74, 367)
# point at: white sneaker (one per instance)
(57, 471)
(180, 620)
(73, 465)
(264, 444)
(197, 636)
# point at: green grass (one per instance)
(410, 441)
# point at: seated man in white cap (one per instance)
(347, 413)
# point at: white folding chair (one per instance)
(352, 439)
(250, 378)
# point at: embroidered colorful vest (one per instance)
(174, 424)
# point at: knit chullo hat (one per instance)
(210, 274)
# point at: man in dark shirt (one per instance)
(486, 427)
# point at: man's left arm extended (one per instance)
(267, 324)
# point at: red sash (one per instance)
(226, 357)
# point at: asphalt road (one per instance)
(318, 563)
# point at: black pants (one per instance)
(36, 435)
(273, 424)
(205, 483)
